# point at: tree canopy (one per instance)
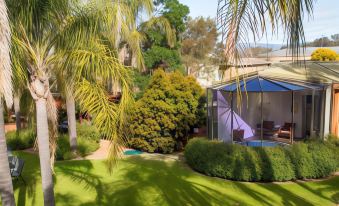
(198, 43)
(157, 50)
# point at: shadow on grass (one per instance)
(31, 174)
(80, 172)
(152, 182)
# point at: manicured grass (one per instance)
(137, 181)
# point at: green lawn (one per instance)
(137, 181)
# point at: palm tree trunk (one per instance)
(72, 131)
(6, 186)
(44, 151)
(16, 101)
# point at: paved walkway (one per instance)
(102, 152)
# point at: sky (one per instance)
(325, 20)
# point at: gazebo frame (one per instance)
(299, 86)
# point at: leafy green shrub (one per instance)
(63, 151)
(324, 54)
(88, 131)
(237, 162)
(159, 144)
(223, 160)
(85, 147)
(303, 161)
(276, 164)
(20, 140)
(163, 144)
(141, 144)
(334, 145)
(323, 158)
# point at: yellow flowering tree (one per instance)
(324, 54)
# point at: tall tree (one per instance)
(198, 42)
(6, 186)
(157, 49)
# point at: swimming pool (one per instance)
(132, 152)
(257, 143)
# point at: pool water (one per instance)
(257, 143)
(132, 152)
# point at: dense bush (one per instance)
(20, 140)
(324, 54)
(169, 108)
(276, 164)
(237, 162)
(333, 142)
(159, 144)
(86, 146)
(88, 141)
(163, 144)
(140, 144)
(88, 131)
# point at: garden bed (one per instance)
(88, 138)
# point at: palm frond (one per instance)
(95, 62)
(108, 117)
(164, 25)
(134, 39)
(238, 17)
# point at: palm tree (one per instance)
(67, 39)
(6, 186)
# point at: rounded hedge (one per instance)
(237, 162)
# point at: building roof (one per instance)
(315, 72)
(246, 62)
(305, 72)
(263, 84)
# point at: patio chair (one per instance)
(17, 170)
(287, 130)
(12, 160)
(268, 128)
(238, 135)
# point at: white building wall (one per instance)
(327, 115)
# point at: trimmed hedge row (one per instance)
(237, 162)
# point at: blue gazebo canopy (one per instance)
(263, 84)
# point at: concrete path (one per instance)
(102, 152)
